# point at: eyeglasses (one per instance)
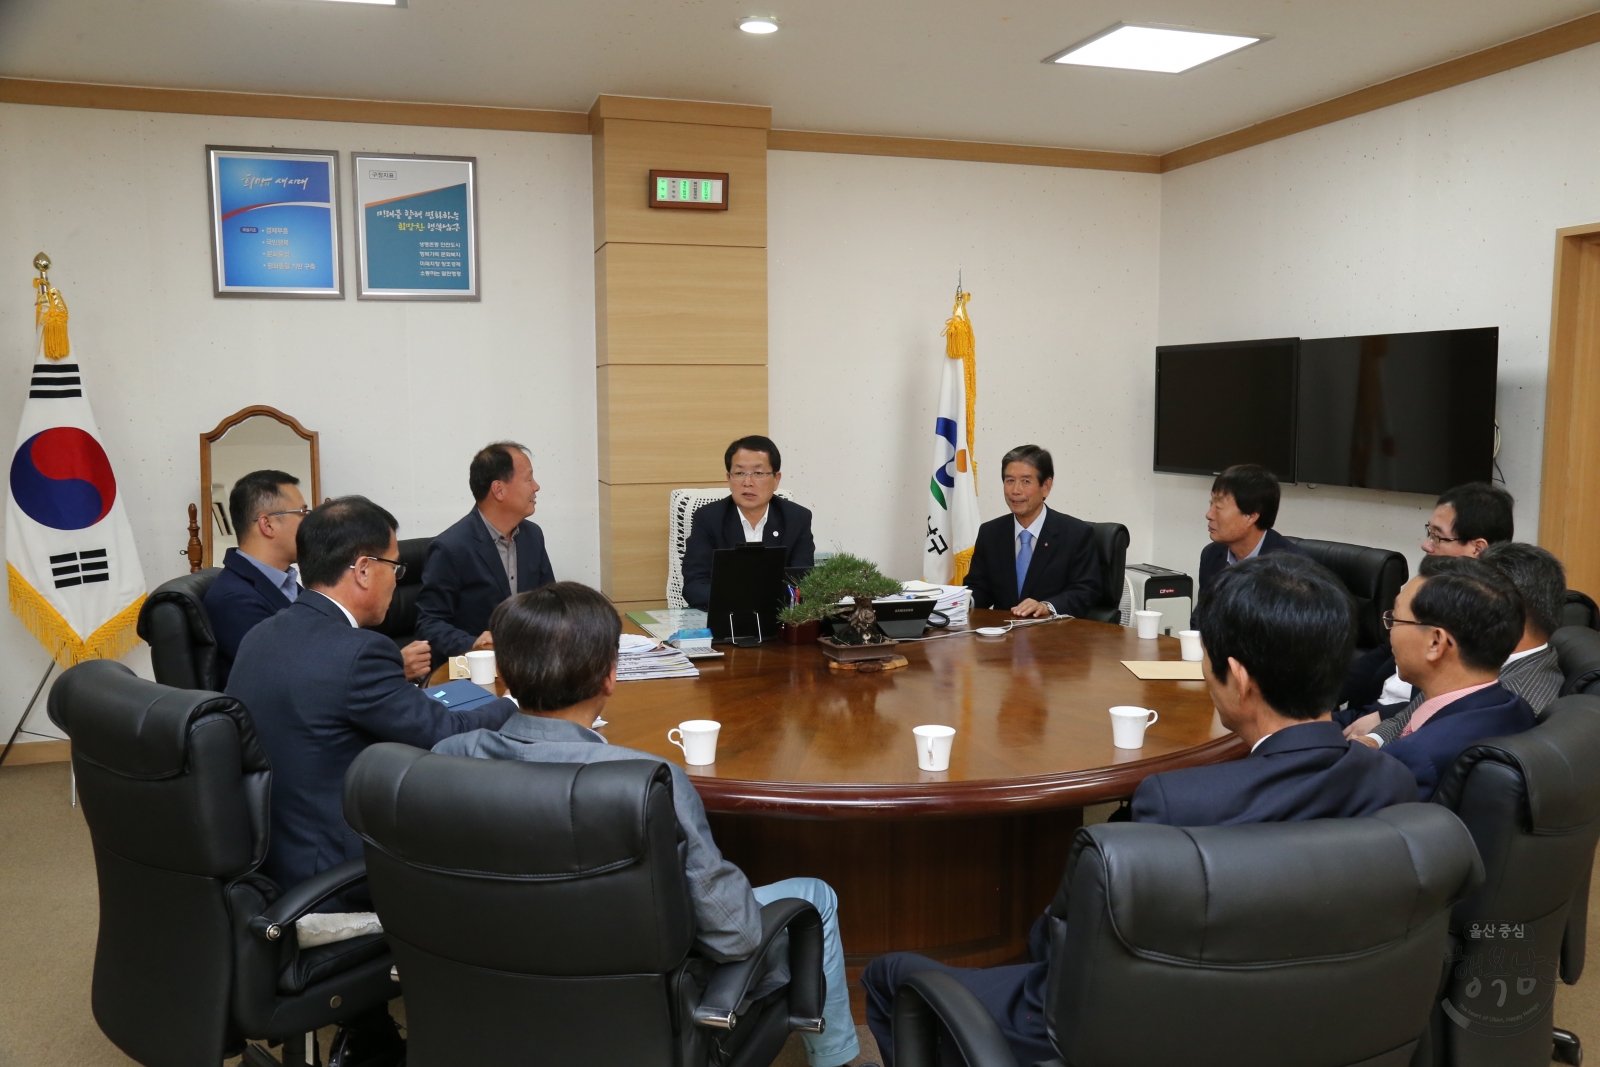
(399, 568)
(749, 476)
(1390, 622)
(302, 512)
(1428, 534)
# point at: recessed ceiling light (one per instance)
(1165, 49)
(380, 3)
(759, 24)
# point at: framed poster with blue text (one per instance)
(416, 227)
(275, 222)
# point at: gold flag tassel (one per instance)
(114, 639)
(50, 311)
(960, 344)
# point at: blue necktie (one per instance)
(1024, 557)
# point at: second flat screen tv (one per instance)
(1411, 412)
(1221, 404)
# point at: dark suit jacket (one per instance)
(1494, 711)
(717, 526)
(319, 692)
(1214, 557)
(1065, 570)
(240, 598)
(1306, 771)
(463, 581)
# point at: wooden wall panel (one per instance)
(671, 424)
(633, 568)
(681, 304)
(1569, 502)
(626, 150)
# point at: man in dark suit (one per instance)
(1277, 632)
(1036, 562)
(320, 689)
(750, 515)
(1451, 629)
(258, 578)
(1244, 507)
(485, 557)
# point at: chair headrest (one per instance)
(137, 728)
(188, 593)
(501, 818)
(1277, 892)
(1557, 761)
(414, 553)
(1578, 652)
(1111, 541)
(1373, 576)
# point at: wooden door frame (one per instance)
(1569, 498)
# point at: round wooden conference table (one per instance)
(816, 772)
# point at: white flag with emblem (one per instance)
(71, 566)
(953, 485)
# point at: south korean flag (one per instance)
(71, 566)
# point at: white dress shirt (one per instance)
(346, 611)
(758, 531)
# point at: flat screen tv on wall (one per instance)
(1411, 412)
(1221, 404)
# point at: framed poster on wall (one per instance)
(416, 227)
(275, 222)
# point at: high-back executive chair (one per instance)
(173, 622)
(1372, 575)
(400, 625)
(1111, 543)
(539, 913)
(197, 952)
(1532, 804)
(1580, 610)
(1578, 652)
(1318, 944)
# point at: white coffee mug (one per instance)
(1128, 725)
(933, 746)
(698, 739)
(1149, 623)
(1190, 640)
(480, 666)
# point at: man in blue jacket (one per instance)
(258, 578)
(1278, 631)
(1451, 629)
(490, 554)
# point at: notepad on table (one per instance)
(1164, 670)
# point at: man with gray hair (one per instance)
(1532, 671)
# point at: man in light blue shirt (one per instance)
(258, 578)
(556, 650)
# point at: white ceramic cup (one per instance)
(1128, 725)
(698, 739)
(1190, 640)
(933, 746)
(480, 666)
(1149, 623)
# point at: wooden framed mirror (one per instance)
(256, 438)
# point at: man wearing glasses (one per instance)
(751, 514)
(258, 578)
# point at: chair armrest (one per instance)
(731, 983)
(287, 909)
(928, 998)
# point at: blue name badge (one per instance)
(461, 693)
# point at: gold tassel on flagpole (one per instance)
(960, 344)
(114, 639)
(50, 311)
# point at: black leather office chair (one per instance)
(540, 912)
(1532, 804)
(1580, 610)
(1372, 575)
(1578, 653)
(401, 622)
(1111, 542)
(1310, 943)
(197, 952)
(173, 622)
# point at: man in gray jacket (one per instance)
(1531, 671)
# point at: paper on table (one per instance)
(1164, 670)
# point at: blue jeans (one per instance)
(837, 1044)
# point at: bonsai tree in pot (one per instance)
(829, 584)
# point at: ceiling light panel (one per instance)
(1164, 49)
(759, 24)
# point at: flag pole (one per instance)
(27, 711)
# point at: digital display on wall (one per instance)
(1221, 404)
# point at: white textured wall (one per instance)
(1434, 214)
(402, 393)
(862, 259)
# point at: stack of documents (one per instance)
(664, 623)
(954, 600)
(639, 658)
